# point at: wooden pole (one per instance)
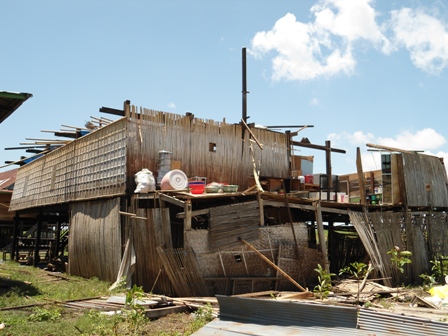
(274, 265)
(362, 186)
(321, 233)
(36, 256)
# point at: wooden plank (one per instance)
(159, 312)
(171, 200)
(274, 265)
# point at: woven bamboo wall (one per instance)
(95, 239)
(275, 242)
(89, 167)
(189, 140)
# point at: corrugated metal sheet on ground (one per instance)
(232, 328)
(286, 313)
(392, 324)
(245, 316)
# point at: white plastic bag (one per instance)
(145, 181)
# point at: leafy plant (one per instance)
(324, 278)
(439, 270)
(399, 258)
(133, 309)
(359, 271)
(41, 314)
(439, 267)
(428, 280)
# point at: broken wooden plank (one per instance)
(274, 265)
(159, 312)
(298, 295)
(258, 294)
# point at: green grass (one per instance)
(36, 298)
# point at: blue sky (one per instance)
(360, 71)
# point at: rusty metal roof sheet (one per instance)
(7, 179)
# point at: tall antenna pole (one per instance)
(244, 87)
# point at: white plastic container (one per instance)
(174, 180)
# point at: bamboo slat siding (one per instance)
(182, 269)
(425, 235)
(230, 222)
(147, 236)
(95, 239)
(190, 139)
(89, 167)
(104, 162)
(422, 170)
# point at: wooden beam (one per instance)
(305, 207)
(252, 135)
(308, 145)
(390, 149)
(194, 213)
(172, 200)
(113, 111)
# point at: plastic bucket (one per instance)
(197, 187)
(309, 179)
(174, 180)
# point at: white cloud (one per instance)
(424, 36)
(171, 105)
(327, 46)
(314, 102)
(323, 47)
(424, 140)
(358, 138)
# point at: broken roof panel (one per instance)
(11, 101)
(7, 180)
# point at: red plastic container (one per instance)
(197, 187)
(309, 179)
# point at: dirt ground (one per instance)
(170, 324)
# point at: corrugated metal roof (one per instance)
(393, 324)
(232, 328)
(286, 313)
(245, 316)
(7, 179)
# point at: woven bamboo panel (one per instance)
(95, 239)
(240, 262)
(90, 167)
